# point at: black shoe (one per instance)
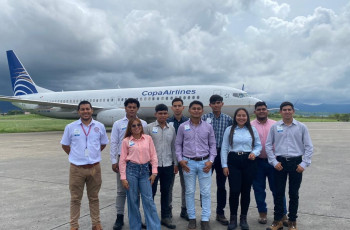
(119, 222)
(184, 214)
(222, 219)
(243, 222)
(143, 225)
(233, 223)
(168, 223)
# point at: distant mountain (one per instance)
(317, 109)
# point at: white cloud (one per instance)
(152, 43)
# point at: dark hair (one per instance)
(128, 129)
(247, 124)
(215, 98)
(84, 103)
(161, 107)
(131, 101)
(177, 99)
(286, 103)
(260, 103)
(195, 103)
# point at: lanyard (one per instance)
(86, 135)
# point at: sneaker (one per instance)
(222, 219)
(262, 218)
(292, 225)
(184, 214)
(192, 225)
(276, 225)
(167, 222)
(143, 225)
(285, 221)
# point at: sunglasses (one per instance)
(134, 126)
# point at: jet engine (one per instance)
(108, 117)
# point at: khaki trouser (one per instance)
(78, 176)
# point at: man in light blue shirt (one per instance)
(289, 150)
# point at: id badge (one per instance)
(86, 152)
(155, 130)
(187, 128)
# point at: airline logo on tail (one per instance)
(22, 83)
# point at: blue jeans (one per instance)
(264, 170)
(196, 169)
(137, 177)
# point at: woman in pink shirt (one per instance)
(137, 153)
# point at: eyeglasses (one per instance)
(134, 126)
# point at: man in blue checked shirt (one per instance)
(220, 122)
(289, 150)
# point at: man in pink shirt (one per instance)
(265, 170)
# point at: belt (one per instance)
(198, 158)
(86, 166)
(240, 153)
(279, 158)
(263, 159)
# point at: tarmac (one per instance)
(35, 194)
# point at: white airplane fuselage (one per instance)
(111, 99)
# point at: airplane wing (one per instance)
(42, 103)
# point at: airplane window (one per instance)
(180, 97)
(153, 98)
(162, 98)
(107, 100)
(197, 97)
(104, 100)
(166, 98)
(193, 97)
(189, 97)
(140, 98)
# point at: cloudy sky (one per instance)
(281, 50)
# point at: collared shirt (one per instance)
(84, 148)
(242, 142)
(195, 141)
(164, 141)
(219, 125)
(117, 136)
(289, 141)
(263, 130)
(138, 151)
(172, 121)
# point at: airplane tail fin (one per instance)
(22, 83)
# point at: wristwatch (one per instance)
(211, 161)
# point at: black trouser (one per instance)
(241, 175)
(220, 183)
(289, 168)
(165, 176)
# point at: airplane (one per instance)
(108, 104)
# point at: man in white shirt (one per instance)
(83, 140)
(132, 105)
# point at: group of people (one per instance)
(144, 154)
